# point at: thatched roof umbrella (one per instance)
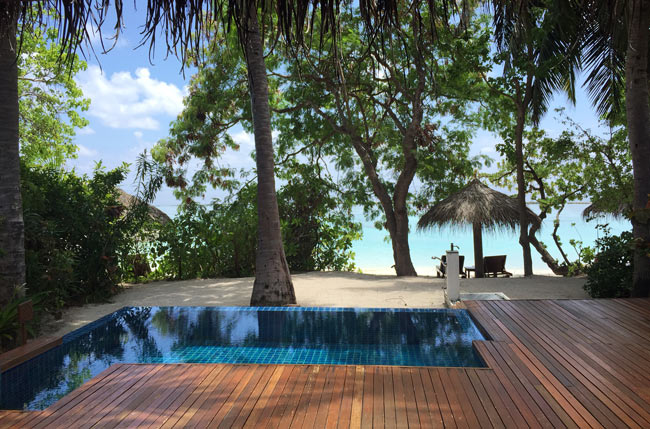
(128, 201)
(480, 206)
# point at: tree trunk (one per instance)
(638, 127)
(546, 257)
(12, 241)
(273, 284)
(479, 269)
(521, 190)
(399, 236)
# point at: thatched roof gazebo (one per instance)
(480, 206)
(128, 201)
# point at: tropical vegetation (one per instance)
(386, 95)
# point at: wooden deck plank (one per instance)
(443, 403)
(306, 397)
(265, 396)
(431, 399)
(337, 397)
(454, 402)
(294, 398)
(473, 399)
(284, 398)
(272, 399)
(234, 404)
(357, 399)
(564, 381)
(466, 406)
(378, 420)
(215, 396)
(178, 396)
(484, 397)
(180, 378)
(368, 397)
(563, 351)
(420, 398)
(346, 402)
(314, 399)
(409, 396)
(254, 397)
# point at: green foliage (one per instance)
(575, 166)
(361, 112)
(610, 271)
(9, 321)
(221, 241)
(75, 233)
(50, 101)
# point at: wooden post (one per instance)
(478, 251)
(25, 314)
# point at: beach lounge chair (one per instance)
(495, 265)
(441, 269)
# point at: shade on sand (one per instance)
(481, 207)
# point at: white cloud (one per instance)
(243, 138)
(137, 134)
(85, 131)
(86, 152)
(488, 149)
(130, 101)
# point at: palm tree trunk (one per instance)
(638, 126)
(273, 284)
(12, 247)
(521, 190)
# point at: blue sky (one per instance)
(133, 101)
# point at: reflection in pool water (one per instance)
(242, 335)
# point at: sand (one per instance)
(318, 289)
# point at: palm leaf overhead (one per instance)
(554, 54)
(603, 43)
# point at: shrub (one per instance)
(221, 240)
(610, 271)
(75, 232)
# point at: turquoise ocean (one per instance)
(374, 254)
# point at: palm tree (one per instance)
(534, 35)
(638, 128)
(12, 251)
(614, 39)
(273, 284)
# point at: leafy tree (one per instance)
(389, 113)
(572, 167)
(537, 55)
(392, 126)
(50, 101)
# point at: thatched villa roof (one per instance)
(128, 201)
(593, 211)
(476, 203)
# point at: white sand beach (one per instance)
(319, 289)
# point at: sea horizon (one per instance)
(374, 254)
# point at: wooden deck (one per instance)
(550, 364)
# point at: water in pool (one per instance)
(428, 337)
